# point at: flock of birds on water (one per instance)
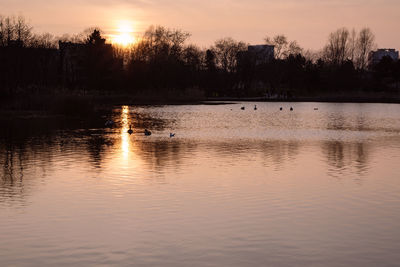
(281, 108)
(110, 123)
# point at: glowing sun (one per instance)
(124, 34)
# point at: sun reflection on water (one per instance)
(125, 137)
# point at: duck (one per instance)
(315, 108)
(280, 108)
(171, 135)
(255, 107)
(130, 131)
(242, 108)
(147, 132)
(291, 109)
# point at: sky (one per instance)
(309, 22)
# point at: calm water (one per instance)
(233, 188)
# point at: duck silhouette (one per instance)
(130, 131)
(255, 107)
(280, 108)
(171, 134)
(147, 132)
(291, 109)
(242, 108)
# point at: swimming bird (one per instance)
(171, 135)
(315, 108)
(291, 109)
(130, 131)
(242, 108)
(255, 107)
(280, 108)
(147, 132)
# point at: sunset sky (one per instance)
(307, 21)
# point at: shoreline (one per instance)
(101, 103)
(377, 100)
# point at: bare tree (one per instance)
(344, 45)
(352, 45)
(365, 43)
(161, 43)
(177, 39)
(8, 30)
(23, 31)
(336, 51)
(44, 40)
(193, 56)
(294, 48)
(280, 42)
(226, 51)
(2, 31)
(75, 38)
(312, 55)
(15, 30)
(283, 48)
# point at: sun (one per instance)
(124, 35)
(123, 39)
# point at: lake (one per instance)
(316, 186)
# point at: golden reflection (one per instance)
(125, 160)
(125, 137)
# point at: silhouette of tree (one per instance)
(337, 49)
(6, 30)
(192, 56)
(210, 61)
(44, 40)
(23, 31)
(100, 64)
(352, 45)
(283, 48)
(344, 45)
(161, 62)
(226, 51)
(95, 38)
(15, 31)
(160, 43)
(365, 44)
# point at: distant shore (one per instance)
(77, 105)
(337, 99)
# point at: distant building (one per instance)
(249, 61)
(376, 56)
(261, 53)
(255, 55)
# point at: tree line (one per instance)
(163, 60)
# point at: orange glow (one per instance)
(124, 36)
(125, 138)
